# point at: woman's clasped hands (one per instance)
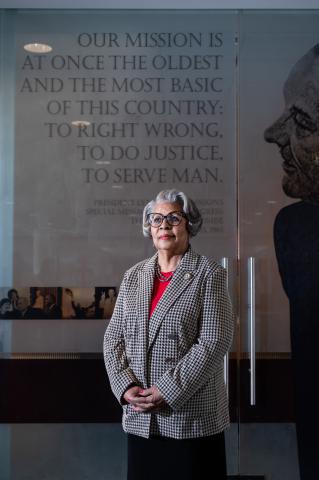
(145, 400)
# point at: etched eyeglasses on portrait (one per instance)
(172, 218)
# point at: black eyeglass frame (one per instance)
(183, 215)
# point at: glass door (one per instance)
(277, 146)
(101, 111)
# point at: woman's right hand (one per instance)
(131, 393)
(151, 402)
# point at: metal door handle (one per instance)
(252, 328)
(224, 263)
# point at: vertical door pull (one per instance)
(252, 328)
(224, 263)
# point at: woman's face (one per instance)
(166, 237)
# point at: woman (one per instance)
(38, 302)
(68, 305)
(164, 349)
(109, 302)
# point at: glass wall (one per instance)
(100, 110)
(278, 144)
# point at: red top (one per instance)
(158, 290)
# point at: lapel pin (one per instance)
(187, 276)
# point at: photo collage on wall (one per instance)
(55, 303)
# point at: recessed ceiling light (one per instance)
(38, 48)
(80, 123)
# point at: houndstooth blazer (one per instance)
(180, 349)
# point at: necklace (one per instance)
(160, 276)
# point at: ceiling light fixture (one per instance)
(80, 123)
(38, 48)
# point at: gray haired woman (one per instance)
(164, 349)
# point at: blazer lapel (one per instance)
(182, 277)
(145, 283)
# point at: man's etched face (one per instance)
(296, 132)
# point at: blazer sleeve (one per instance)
(179, 383)
(120, 374)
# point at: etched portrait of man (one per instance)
(296, 238)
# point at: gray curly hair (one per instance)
(194, 218)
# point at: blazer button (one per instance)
(187, 276)
(172, 336)
(169, 360)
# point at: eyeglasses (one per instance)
(172, 218)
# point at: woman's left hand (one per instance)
(149, 400)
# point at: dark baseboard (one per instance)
(77, 390)
(56, 391)
(246, 477)
(274, 392)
